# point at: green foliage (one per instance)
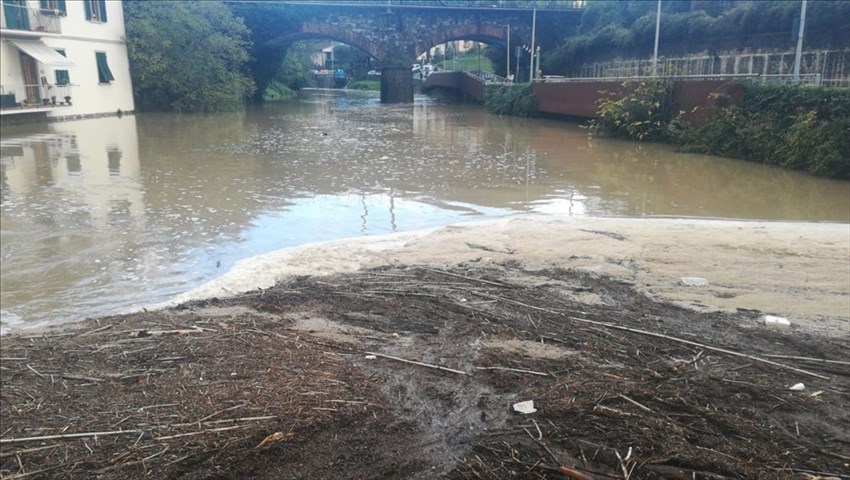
(277, 92)
(372, 85)
(796, 127)
(294, 71)
(266, 21)
(517, 100)
(610, 27)
(470, 61)
(187, 56)
(640, 110)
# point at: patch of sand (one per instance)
(796, 270)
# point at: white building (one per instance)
(63, 58)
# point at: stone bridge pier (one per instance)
(396, 85)
(393, 35)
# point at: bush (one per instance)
(518, 100)
(791, 126)
(640, 111)
(372, 85)
(278, 91)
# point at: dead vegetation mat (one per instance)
(314, 378)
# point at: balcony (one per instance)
(31, 98)
(24, 18)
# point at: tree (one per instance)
(187, 56)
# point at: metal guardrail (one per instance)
(486, 77)
(814, 79)
(478, 4)
(30, 19)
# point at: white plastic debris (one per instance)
(694, 281)
(525, 407)
(370, 357)
(798, 387)
(777, 322)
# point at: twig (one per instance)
(610, 412)
(659, 335)
(70, 376)
(636, 403)
(214, 430)
(96, 330)
(26, 450)
(480, 280)
(212, 422)
(216, 413)
(810, 359)
(624, 463)
(428, 365)
(518, 370)
(67, 435)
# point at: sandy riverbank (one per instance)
(796, 270)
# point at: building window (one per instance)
(53, 7)
(63, 77)
(16, 14)
(95, 10)
(104, 74)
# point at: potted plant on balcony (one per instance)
(67, 99)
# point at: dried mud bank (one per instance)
(404, 368)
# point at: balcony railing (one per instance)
(30, 96)
(487, 77)
(21, 17)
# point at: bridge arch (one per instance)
(487, 34)
(327, 31)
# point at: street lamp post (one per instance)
(508, 68)
(533, 33)
(657, 32)
(800, 43)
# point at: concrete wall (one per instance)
(579, 99)
(470, 86)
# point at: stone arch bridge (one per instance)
(396, 32)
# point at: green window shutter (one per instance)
(87, 4)
(52, 7)
(15, 12)
(104, 75)
(62, 77)
(102, 4)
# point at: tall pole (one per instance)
(518, 56)
(800, 43)
(657, 31)
(508, 68)
(533, 33)
(537, 69)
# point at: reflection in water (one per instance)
(104, 215)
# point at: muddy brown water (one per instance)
(107, 215)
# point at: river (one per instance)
(103, 216)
